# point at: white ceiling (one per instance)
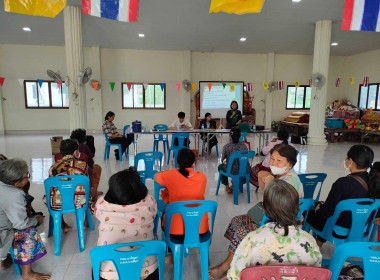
(281, 27)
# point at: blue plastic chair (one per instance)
(237, 179)
(17, 266)
(243, 139)
(149, 159)
(160, 137)
(370, 258)
(375, 229)
(181, 136)
(304, 207)
(108, 147)
(204, 145)
(129, 264)
(363, 212)
(310, 182)
(133, 141)
(160, 205)
(66, 186)
(192, 213)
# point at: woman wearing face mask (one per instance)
(355, 185)
(283, 158)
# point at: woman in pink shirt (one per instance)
(282, 137)
(126, 214)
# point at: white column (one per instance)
(268, 95)
(316, 135)
(74, 64)
(185, 96)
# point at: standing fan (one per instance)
(272, 86)
(84, 76)
(318, 80)
(186, 85)
(91, 84)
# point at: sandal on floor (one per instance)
(229, 189)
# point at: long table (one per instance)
(299, 128)
(263, 135)
(369, 133)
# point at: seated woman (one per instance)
(355, 185)
(208, 123)
(283, 157)
(282, 137)
(70, 164)
(114, 136)
(126, 214)
(182, 184)
(268, 245)
(15, 226)
(94, 170)
(228, 150)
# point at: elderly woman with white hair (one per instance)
(15, 226)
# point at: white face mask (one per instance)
(277, 170)
(345, 165)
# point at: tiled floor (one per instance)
(73, 265)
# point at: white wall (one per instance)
(170, 67)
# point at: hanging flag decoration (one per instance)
(232, 87)
(249, 87)
(44, 8)
(2, 79)
(162, 86)
(194, 86)
(352, 81)
(95, 84)
(112, 85)
(236, 6)
(296, 83)
(129, 85)
(40, 82)
(361, 15)
(178, 86)
(209, 87)
(309, 82)
(224, 85)
(145, 85)
(365, 82)
(121, 10)
(265, 85)
(21, 82)
(337, 82)
(59, 85)
(280, 85)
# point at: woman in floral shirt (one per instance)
(279, 242)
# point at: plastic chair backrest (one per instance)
(66, 186)
(304, 207)
(125, 128)
(160, 127)
(243, 136)
(192, 213)
(278, 272)
(243, 158)
(370, 258)
(129, 264)
(363, 212)
(181, 136)
(107, 139)
(149, 159)
(157, 190)
(310, 182)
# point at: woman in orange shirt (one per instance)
(183, 184)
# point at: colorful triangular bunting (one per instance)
(95, 85)
(59, 85)
(21, 82)
(296, 83)
(352, 81)
(232, 87)
(145, 85)
(162, 86)
(2, 79)
(178, 86)
(112, 85)
(224, 85)
(194, 86)
(265, 85)
(209, 87)
(129, 85)
(40, 82)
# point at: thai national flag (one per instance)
(361, 15)
(337, 82)
(121, 10)
(365, 82)
(280, 85)
(249, 86)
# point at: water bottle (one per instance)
(254, 128)
(203, 126)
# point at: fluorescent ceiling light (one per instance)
(334, 44)
(26, 29)
(296, 1)
(243, 39)
(141, 35)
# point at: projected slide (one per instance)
(217, 100)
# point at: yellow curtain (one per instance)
(236, 6)
(45, 8)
